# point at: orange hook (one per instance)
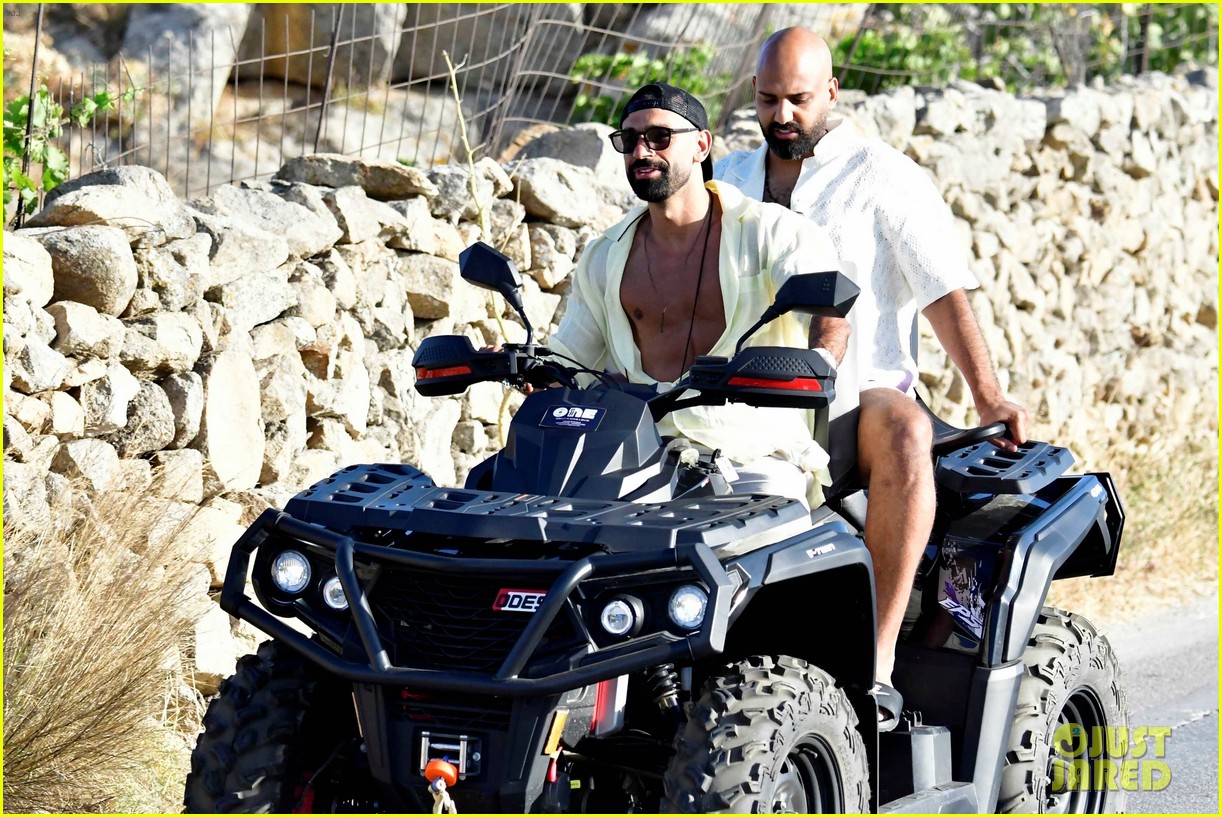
(441, 769)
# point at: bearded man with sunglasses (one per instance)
(685, 274)
(897, 240)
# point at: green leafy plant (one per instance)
(687, 68)
(1021, 46)
(46, 120)
(1177, 34)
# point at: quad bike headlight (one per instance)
(687, 605)
(290, 571)
(333, 594)
(618, 617)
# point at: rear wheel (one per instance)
(1071, 681)
(772, 735)
(277, 739)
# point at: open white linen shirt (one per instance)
(895, 238)
(761, 246)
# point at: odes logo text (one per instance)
(518, 601)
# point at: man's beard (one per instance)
(799, 148)
(656, 188)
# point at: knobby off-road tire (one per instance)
(773, 734)
(1071, 677)
(275, 724)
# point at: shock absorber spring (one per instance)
(663, 683)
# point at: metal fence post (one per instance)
(29, 116)
(326, 88)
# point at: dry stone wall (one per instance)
(223, 353)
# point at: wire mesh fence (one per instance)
(231, 94)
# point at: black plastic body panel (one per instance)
(400, 497)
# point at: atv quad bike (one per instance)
(597, 623)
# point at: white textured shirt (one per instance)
(761, 246)
(895, 238)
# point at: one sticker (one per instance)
(578, 417)
(518, 601)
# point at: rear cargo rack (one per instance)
(985, 468)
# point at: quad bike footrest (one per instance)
(985, 468)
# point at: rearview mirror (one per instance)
(830, 294)
(817, 293)
(488, 268)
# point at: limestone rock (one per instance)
(80, 330)
(370, 265)
(305, 233)
(238, 248)
(179, 475)
(435, 289)
(551, 253)
(25, 498)
(379, 179)
(502, 185)
(555, 192)
(186, 395)
(150, 423)
(93, 265)
(355, 214)
(131, 197)
(231, 430)
(256, 298)
(586, 145)
(165, 343)
(93, 460)
(177, 287)
(105, 400)
(36, 367)
(282, 387)
(67, 419)
(214, 650)
(31, 413)
(27, 269)
(455, 201)
(365, 53)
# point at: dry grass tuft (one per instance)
(1169, 549)
(96, 622)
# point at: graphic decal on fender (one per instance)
(579, 417)
(518, 601)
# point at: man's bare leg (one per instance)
(893, 441)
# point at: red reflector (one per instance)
(429, 374)
(604, 701)
(797, 384)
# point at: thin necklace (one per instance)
(687, 345)
(649, 267)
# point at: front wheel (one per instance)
(277, 739)
(771, 735)
(1070, 683)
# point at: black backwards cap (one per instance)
(670, 98)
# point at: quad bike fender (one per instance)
(1038, 553)
(812, 597)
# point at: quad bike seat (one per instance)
(965, 462)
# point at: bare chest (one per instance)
(675, 309)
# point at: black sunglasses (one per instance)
(657, 137)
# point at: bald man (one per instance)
(896, 238)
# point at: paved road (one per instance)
(1169, 665)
